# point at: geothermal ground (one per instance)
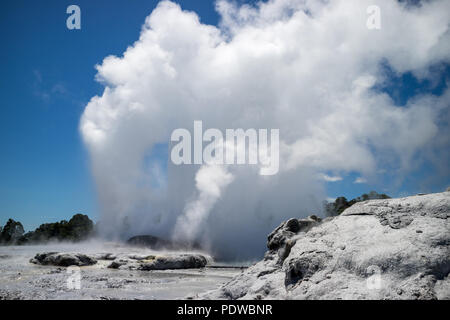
(376, 249)
(21, 279)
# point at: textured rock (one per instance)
(185, 261)
(104, 256)
(160, 262)
(78, 228)
(11, 232)
(288, 229)
(377, 249)
(63, 259)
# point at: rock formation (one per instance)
(63, 259)
(160, 262)
(11, 232)
(78, 228)
(340, 204)
(376, 249)
(124, 261)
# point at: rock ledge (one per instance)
(377, 249)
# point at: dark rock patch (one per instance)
(63, 259)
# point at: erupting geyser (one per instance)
(278, 65)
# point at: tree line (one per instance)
(78, 228)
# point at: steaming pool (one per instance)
(20, 279)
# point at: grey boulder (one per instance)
(63, 259)
(160, 262)
(182, 261)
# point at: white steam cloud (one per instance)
(210, 182)
(306, 67)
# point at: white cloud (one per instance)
(328, 178)
(360, 180)
(305, 67)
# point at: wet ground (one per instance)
(20, 279)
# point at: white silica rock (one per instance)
(377, 249)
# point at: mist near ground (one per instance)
(20, 279)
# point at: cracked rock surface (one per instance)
(377, 249)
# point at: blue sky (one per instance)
(47, 80)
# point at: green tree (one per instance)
(80, 227)
(11, 232)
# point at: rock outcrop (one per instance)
(143, 262)
(160, 262)
(63, 259)
(11, 232)
(78, 228)
(377, 249)
(124, 261)
(340, 204)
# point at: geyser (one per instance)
(233, 150)
(309, 68)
